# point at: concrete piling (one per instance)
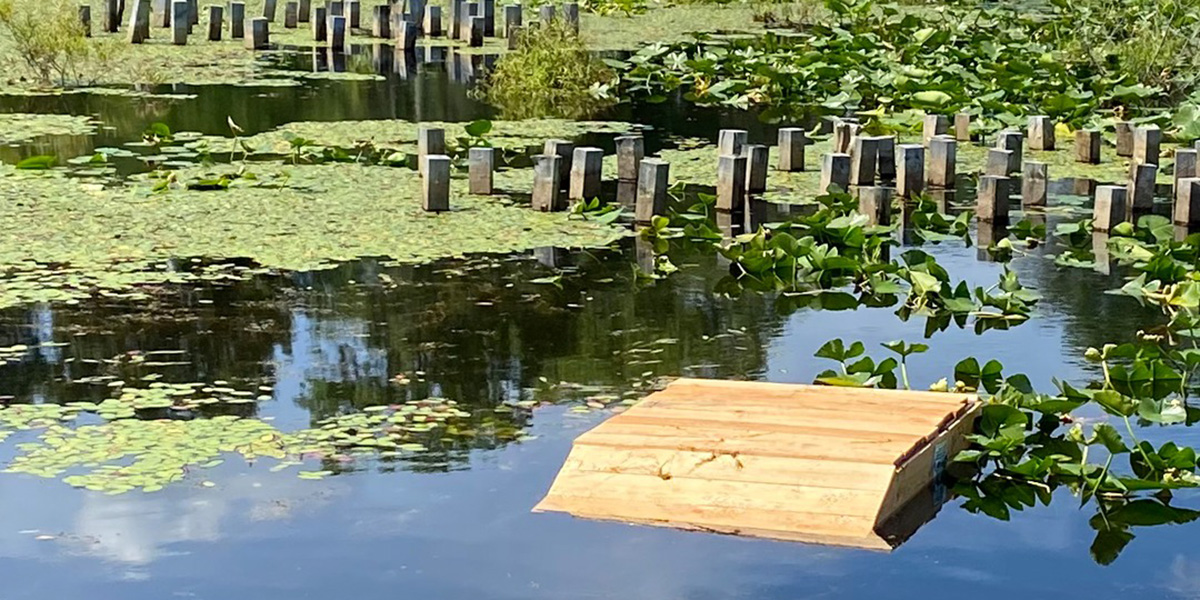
(547, 194)
(943, 153)
(731, 182)
(1108, 210)
(481, 166)
(337, 33)
(193, 14)
(546, 14)
(162, 13)
(1187, 202)
(320, 24)
(992, 203)
(1146, 142)
(433, 20)
(435, 182)
(381, 21)
(997, 163)
(269, 9)
(1141, 189)
(430, 141)
(457, 8)
(1087, 146)
(406, 36)
(477, 27)
(1034, 181)
(354, 18)
(237, 20)
(1124, 131)
(962, 127)
(469, 11)
(835, 172)
(885, 152)
(844, 133)
(489, 18)
(933, 126)
(876, 203)
(1041, 133)
(291, 15)
(653, 177)
(571, 15)
(85, 19)
(731, 141)
(179, 22)
(139, 22)
(910, 179)
(863, 158)
(630, 151)
(335, 8)
(1015, 142)
(216, 17)
(512, 18)
(260, 34)
(586, 169)
(112, 16)
(791, 149)
(756, 168)
(1185, 164)
(565, 151)
(304, 14)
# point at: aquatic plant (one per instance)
(551, 73)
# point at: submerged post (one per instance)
(1041, 133)
(139, 22)
(547, 196)
(337, 33)
(406, 36)
(943, 153)
(731, 178)
(320, 25)
(863, 158)
(885, 152)
(571, 15)
(1034, 181)
(546, 14)
(586, 170)
(85, 19)
(433, 20)
(835, 172)
(1141, 189)
(112, 16)
(731, 141)
(962, 127)
(910, 180)
(354, 19)
(756, 168)
(1185, 164)
(1013, 141)
(291, 15)
(476, 40)
(456, 13)
(260, 34)
(1109, 208)
(237, 20)
(1087, 146)
(305, 12)
(381, 24)
(1124, 131)
(481, 166)
(430, 141)
(1146, 141)
(1187, 202)
(179, 22)
(652, 189)
(791, 149)
(876, 204)
(269, 7)
(630, 151)
(512, 18)
(992, 205)
(933, 126)
(435, 182)
(489, 18)
(998, 160)
(844, 133)
(565, 151)
(216, 16)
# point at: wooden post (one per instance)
(943, 153)
(731, 182)
(876, 204)
(489, 18)
(565, 151)
(1034, 181)
(547, 195)
(216, 18)
(381, 24)
(835, 172)
(269, 7)
(652, 189)
(305, 12)
(731, 141)
(934, 125)
(406, 36)
(546, 14)
(476, 32)
(435, 183)
(791, 149)
(139, 22)
(237, 20)
(1185, 164)
(85, 19)
(481, 165)
(998, 160)
(1014, 141)
(260, 34)
(885, 151)
(586, 170)
(430, 141)
(992, 205)
(863, 158)
(354, 19)
(1141, 189)
(1146, 141)
(512, 18)
(910, 181)
(630, 151)
(1124, 131)
(179, 22)
(1187, 202)
(1041, 133)
(571, 15)
(1109, 208)
(756, 168)
(433, 20)
(1087, 146)
(962, 127)
(320, 25)
(291, 15)
(337, 33)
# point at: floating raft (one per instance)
(829, 465)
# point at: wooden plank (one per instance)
(616, 424)
(724, 467)
(919, 469)
(680, 397)
(918, 427)
(751, 388)
(742, 496)
(763, 444)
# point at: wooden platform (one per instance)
(817, 464)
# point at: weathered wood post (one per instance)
(112, 16)
(260, 34)
(381, 21)
(476, 32)
(1034, 181)
(337, 33)
(512, 18)
(433, 20)
(354, 19)
(237, 20)
(933, 126)
(992, 205)
(997, 163)
(435, 182)
(1187, 202)
(652, 189)
(481, 164)
(1141, 189)
(1087, 146)
(1146, 142)
(731, 182)
(216, 18)
(269, 9)
(1015, 142)
(1109, 208)
(1185, 164)
(885, 151)
(489, 18)
(962, 127)
(305, 11)
(910, 180)
(291, 15)
(731, 141)
(586, 170)
(943, 153)
(547, 195)
(1041, 133)
(571, 15)
(565, 151)
(835, 172)
(139, 22)
(406, 36)
(546, 14)
(430, 141)
(1124, 131)
(863, 158)
(630, 151)
(179, 22)
(85, 19)
(791, 149)
(320, 24)
(757, 160)
(876, 204)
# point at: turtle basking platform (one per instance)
(830, 465)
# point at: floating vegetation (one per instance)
(22, 127)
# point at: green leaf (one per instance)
(42, 161)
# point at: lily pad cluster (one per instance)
(22, 127)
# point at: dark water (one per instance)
(478, 331)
